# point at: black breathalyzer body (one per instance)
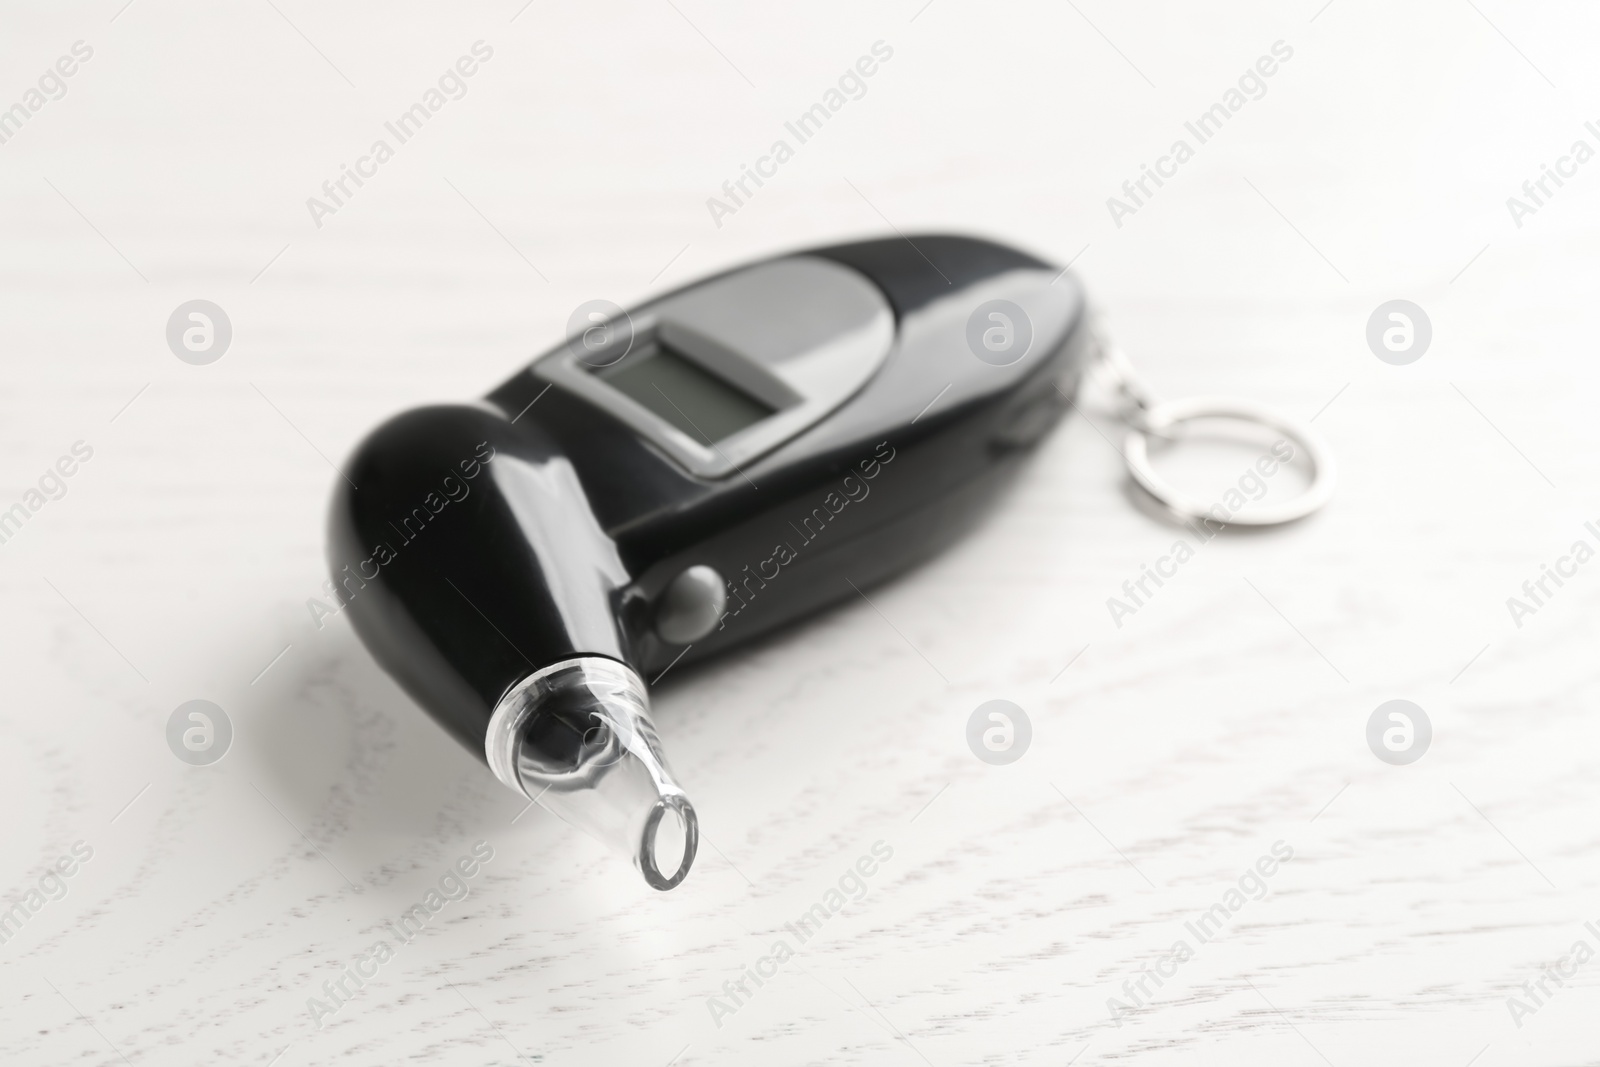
(680, 478)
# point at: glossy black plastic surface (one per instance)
(509, 546)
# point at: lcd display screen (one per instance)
(697, 402)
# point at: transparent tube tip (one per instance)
(577, 737)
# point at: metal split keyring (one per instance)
(1146, 418)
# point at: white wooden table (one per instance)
(1228, 714)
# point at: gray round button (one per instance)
(691, 605)
(199, 732)
(999, 732)
(1399, 732)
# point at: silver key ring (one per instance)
(1148, 418)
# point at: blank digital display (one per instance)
(700, 404)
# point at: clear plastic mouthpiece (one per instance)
(577, 737)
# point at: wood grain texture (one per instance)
(1226, 715)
